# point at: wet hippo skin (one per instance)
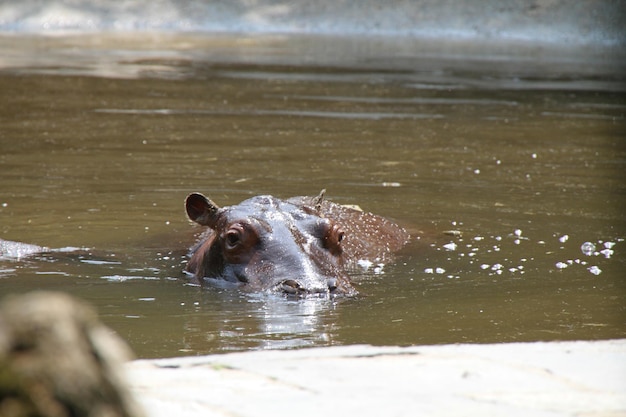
(299, 246)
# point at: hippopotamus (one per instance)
(300, 246)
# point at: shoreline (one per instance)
(513, 379)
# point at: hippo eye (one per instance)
(340, 235)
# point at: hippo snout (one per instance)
(296, 288)
(290, 286)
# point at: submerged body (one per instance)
(300, 246)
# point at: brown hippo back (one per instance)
(367, 236)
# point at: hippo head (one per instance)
(265, 243)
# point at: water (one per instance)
(502, 168)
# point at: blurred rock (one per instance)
(58, 360)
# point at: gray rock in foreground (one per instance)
(58, 360)
(520, 379)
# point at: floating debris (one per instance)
(450, 246)
(364, 263)
(607, 252)
(595, 270)
(434, 270)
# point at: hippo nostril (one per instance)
(332, 284)
(291, 287)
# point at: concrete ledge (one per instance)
(538, 379)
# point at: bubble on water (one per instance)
(588, 248)
(517, 232)
(609, 245)
(563, 238)
(497, 267)
(429, 270)
(595, 270)
(484, 266)
(561, 265)
(440, 270)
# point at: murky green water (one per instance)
(99, 153)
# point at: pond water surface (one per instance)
(99, 147)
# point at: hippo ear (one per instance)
(201, 210)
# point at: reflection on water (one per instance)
(512, 182)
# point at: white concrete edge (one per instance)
(542, 378)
